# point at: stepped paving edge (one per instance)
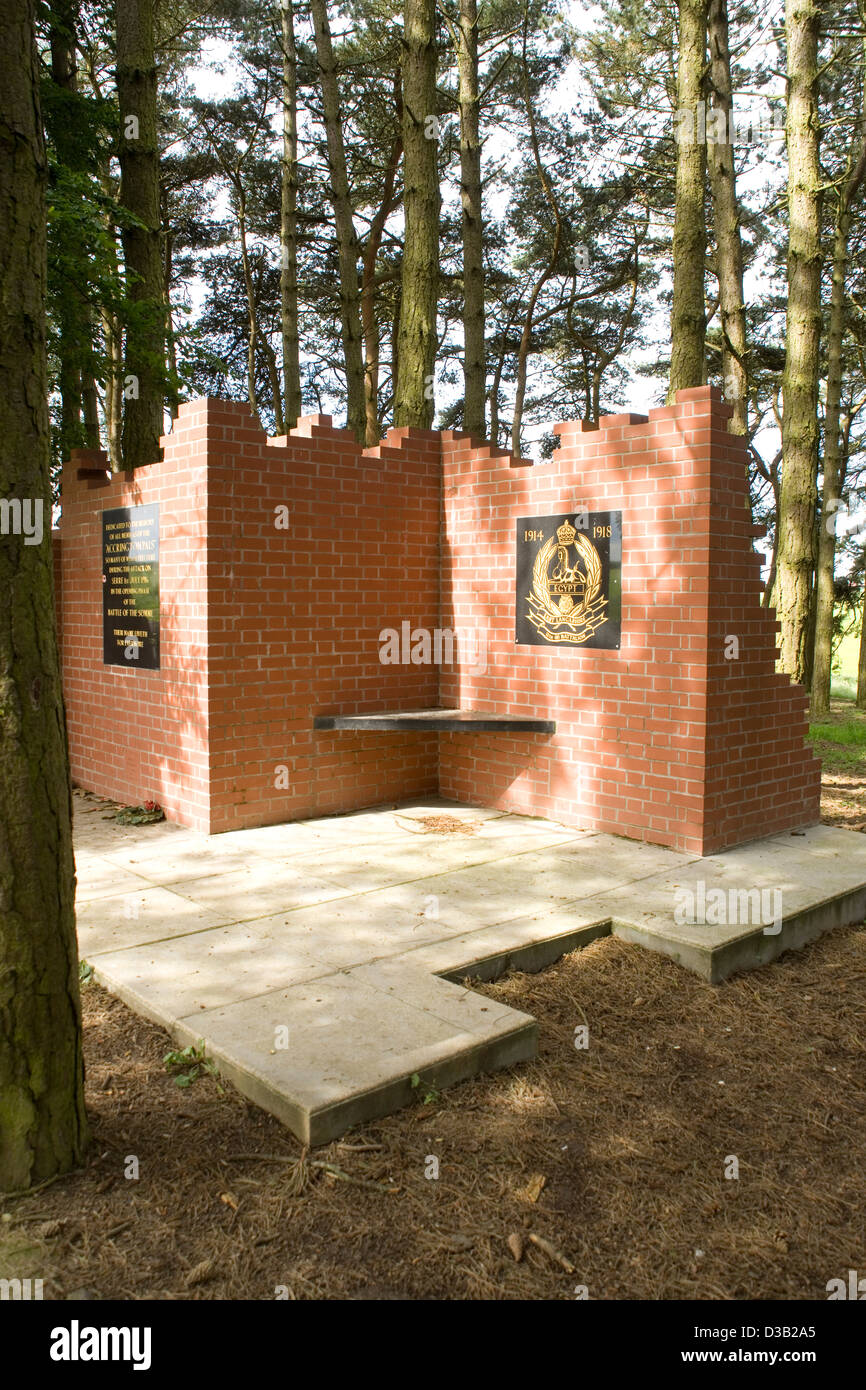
(369, 988)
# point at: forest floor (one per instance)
(620, 1159)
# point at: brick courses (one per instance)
(264, 627)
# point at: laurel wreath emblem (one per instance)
(580, 621)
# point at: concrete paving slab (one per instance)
(368, 867)
(355, 935)
(737, 910)
(359, 928)
(100, 878)
(339, 1066)
(525, 943)
(193, 858)
(206, 970)
(258, 891)
(132, 919)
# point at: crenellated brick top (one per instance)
(265, 626)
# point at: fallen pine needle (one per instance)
(331, 1168)
(347, 1177)
(552, 1252)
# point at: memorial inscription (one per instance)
(568, 580)
(130, 587)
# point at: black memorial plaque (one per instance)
(130, 587)
(569, 580)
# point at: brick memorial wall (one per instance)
(282, 562)
(262, 623)
(666, 739)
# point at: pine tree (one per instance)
(688, 313)
(144, 365)
(798, 497)
(43, 1127)
(414, 403)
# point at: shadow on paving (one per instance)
(615, 1155)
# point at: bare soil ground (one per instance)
(620, 1157)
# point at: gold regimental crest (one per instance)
(565, 604)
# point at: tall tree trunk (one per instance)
(797, 502)
(414, 403)
(834, 473)
(113, 338)
(368, 287)
(688, 313)
(253, 328)
(139, 194)
(347, 240)
(274, 379)
(861, 665)
(497, 375)
(474, 354)
(726, 218)
(289, 222)
(548, 269)
(90, 407)
(768, 597)
(71, 310)
(395, 347)
(43, 1126)
(172, 396)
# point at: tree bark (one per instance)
(797, 501)
(274, 379)
(113, 338)
(474, 353)
(688, 313)
(71, 310)
(368, 290)
(834, 470)
(549, 268)
(90, 408)
(414, 398)
(253, 328)
(289, 222)
(139, 194)
(726, 219)
(347, 240)
(43, 1126)
(172, 395)
(861, 665)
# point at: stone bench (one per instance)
(442, 721)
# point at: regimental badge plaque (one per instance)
(569, 580)
(130, 587)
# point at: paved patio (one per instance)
(321, 960)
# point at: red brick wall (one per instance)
(263, 627)
(296, 614)
(57, 570)
(137, 735)
(663, 740)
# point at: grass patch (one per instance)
(839, 740)
(852, 732)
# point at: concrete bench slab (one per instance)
(443, 721)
